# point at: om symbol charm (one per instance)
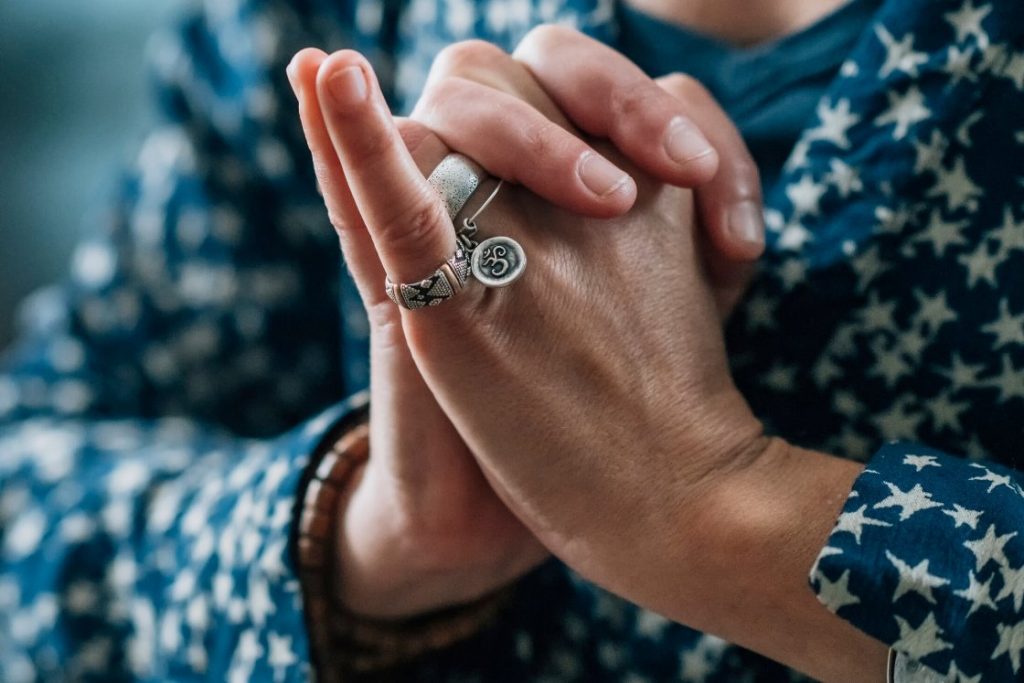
(498, 261)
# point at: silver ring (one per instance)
(455, 179)
(444, 283)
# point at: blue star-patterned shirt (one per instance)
(157, 416)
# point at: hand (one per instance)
(671, 127)
(411, 542)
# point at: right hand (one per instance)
(422, 528)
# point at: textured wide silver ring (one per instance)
(444, 283)
(455, 179)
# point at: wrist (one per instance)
(760, 531)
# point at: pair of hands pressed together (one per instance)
(587, 410)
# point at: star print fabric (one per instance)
(157, 415)
(928, 555)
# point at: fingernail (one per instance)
(684, 143)
(746, 222)
(600, 175)
(347, 87)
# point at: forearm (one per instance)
(758, 533)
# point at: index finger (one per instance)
(404, 215)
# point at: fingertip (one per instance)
(303, 64)
(344, 79)
(743, 231)
(698, 170)
(622, 200)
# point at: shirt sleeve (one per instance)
(156, 413)
(151, 550)
(928, 557)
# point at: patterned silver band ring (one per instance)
(444, 283)
(455, 179)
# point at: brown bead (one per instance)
(311, 553)
(316, 525)
(355, 443)
(335, 468)
(322, 497)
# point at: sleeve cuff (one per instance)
(928, 557)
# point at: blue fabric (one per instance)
(156, 418)
(770, 90)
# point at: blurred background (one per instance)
(73, 107)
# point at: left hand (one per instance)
(594, 392)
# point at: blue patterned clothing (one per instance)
(157, 415)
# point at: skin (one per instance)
(449, 507)
(740, 22)
(408, 542)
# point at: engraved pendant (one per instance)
(498, 261)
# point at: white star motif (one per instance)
(792, 273)
(281, 655)
(967, 22)
(909, 502)
(916, 579)
(958, 65)
(989, 548)
(854, 522)
(1010, 381)
(900, 56)
(1007, 328)
(995, 480)
(956, 186)
(1009, 235)
(919, 462)
(844, 177)
(700, 662)
(905, 111)
(836, 595)
(794, 236)
(868, 265)
(651, 624)
(1011, 643)
(977, 593)
(929, 155)
(878, 314)
(805, 195)
(835, 123)
(963, 375)
(981, 265)
(945, 413)
(963, 516)
(934, 311)
(942, 234)
(955, 675)
(1013, 586)
(900, 422)
(889, 363)
(921, 641)
(1014, 70)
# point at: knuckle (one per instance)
(410, 228)
(542, 38)
(747, 177)
(465, 57)
(539, 141)
(683, 86)
(373, 144)
(626, 102)
(437, 93)
(337, 222)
